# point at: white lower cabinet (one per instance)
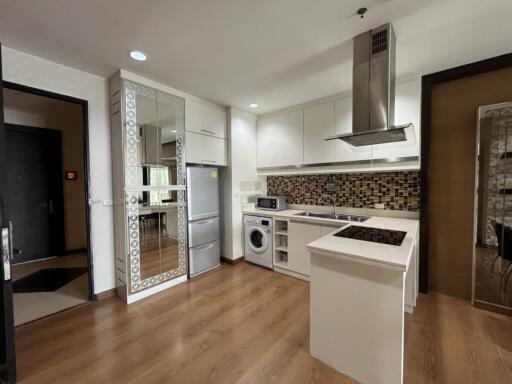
(300, 234)
(203, 149)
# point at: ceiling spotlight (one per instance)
(253, 105)
(173, 131)
(138, 55)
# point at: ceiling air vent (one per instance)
(379, 41)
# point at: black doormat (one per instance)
(47, 280)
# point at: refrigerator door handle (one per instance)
(205, 221)
(206, 246)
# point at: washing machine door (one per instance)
(257, 239)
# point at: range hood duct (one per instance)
(373, 91)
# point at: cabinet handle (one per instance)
(207, 131)
(208, 161)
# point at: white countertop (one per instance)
(383, 255)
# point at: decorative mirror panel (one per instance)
(154, 185)
(492, 284)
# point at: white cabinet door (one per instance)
(214, 121)
(299, 236)
(205, 119)
(267, 143)
(193, 116)
(290, 137)
(318, 124)
(203, 149)
(343, 124)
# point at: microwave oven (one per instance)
(274, 203)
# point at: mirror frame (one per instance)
(132, 189)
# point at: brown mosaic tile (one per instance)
(396, 190)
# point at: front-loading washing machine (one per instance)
(258, 240)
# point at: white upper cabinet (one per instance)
(343, 124)
(290, 137)
(205, 119)
(214, 122)
(279, 140)
(267, 143)
(203, 149)
(298, 137)
(318, 124)
(205, 140)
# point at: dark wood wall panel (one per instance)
(454, 108)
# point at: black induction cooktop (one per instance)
(375, 235)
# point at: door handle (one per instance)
(7, 251)
(11, 242)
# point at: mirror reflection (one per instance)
(169, 249)
(157, 132)
(158, 235)
(158, 146)
(493, 250)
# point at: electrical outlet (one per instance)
(331, 184)
(379, 205)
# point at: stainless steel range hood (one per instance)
(373, 91)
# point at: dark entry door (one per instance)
(7, 351)
(34, 192)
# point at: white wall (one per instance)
(22, 68)
(241, 168)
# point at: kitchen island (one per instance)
(358, 291)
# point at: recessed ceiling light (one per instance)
(173, 131)
(138, 55)
(253, 105)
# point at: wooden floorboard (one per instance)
(244, 324)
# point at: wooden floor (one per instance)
(244, 324)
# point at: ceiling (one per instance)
(276, 53)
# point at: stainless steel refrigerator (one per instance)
(203, 219)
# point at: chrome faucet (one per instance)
(332, 199)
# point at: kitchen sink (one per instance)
(332, 216)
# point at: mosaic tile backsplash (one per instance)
(396, 190)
